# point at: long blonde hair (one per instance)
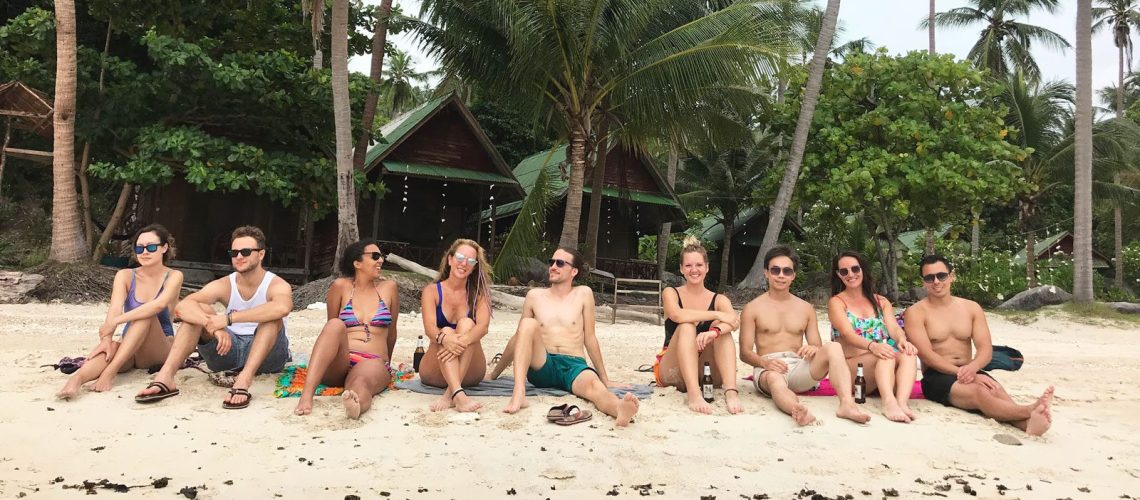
(478, 287)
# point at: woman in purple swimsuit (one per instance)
(147, 331)
(352, 350)
(455, 357)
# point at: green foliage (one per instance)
(525, 237)
(513, 136)
(1132, 265)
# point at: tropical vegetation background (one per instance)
(747, 107)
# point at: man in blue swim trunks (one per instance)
(556, 330)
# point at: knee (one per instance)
(272, 327)
(332, 327)
(527, 326)
(464, 325)
(833, 348)
(686, 331)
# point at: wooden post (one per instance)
(4, 151)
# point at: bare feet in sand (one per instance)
(908, 412)
(515, 404)
(444, 402)
(802, 415)
(105, 381)
(627, 408)
(70, 389)
(351, 404)
(894, 413)
(698, 405)
(464, 404)
(1041, 418)
(851, 411)
(732, 399)
(304, 406)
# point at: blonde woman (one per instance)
(456, 312)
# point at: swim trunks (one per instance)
(798, 376)
(559, 372)
(936, 385)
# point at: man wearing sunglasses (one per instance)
(773, 328)
(556, 330)
(249, 337)
(953, 341)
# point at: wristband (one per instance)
(717, 330)
(869, 342)
(229, 318)
(439, 338)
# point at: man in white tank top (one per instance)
(248, 337)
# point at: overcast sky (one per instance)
(893, 24)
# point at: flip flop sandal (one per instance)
(647, 368)
(163, 393)
(237, 406)
(558, 412)
(495, 359)
(575, 417)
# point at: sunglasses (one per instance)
(776, 270)
(374, 255)
(460, 258)
(152, 248)
(852, 270)
(929, 278)
(244, 252)
(559, 262)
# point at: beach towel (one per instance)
(825, 389)
(292, 381)
(504, 386)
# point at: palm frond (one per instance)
(525, 237)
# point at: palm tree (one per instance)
(347, 229)
(1122, 16)
(930, 26)
(779, 209)
(399, 87)
(368, 118)
(1082, 187)
(1128, 94)
(67, 243)
(567, 62)
(672, 162)
(1004, 43)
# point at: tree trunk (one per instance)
(928, 247)
(67, 243)
(597, 187)
(726, 251)
(577, 158)
(1030, 260)
(367, 120)
(779, 209)
(1117, 219)
(347, 230)
(113, 222)
(667, 228)
(1082, 187)
(930, 27)
(890, 285)
(4, 152)
(975, 234)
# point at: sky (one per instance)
(892, 24)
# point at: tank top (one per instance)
(239, 303)
(703, 326)
(132, 302)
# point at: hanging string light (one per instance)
(490, 232)
(405, 209)
(442, 210)
(637, 220)
(609, 219)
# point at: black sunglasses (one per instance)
(852, 270)
(787, 271)
(244, 252)
(374, 255)
(929, 278)
(559, 262)
(152, 248)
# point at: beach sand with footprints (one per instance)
(400, 449)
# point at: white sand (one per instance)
(402, 448)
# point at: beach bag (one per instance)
(1005, 358)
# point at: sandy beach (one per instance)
(402, 450)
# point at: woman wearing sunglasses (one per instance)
(697, 334)
(461, 300)
(352, 348)
(864, 323)
(141, 300)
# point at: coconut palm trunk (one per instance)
(347, 230)
(66, 235)
(597, 186)
(379, 40)
(779, 209)
(579, 134)
(726, 252)
(930, 27)
(1117, 216)
(1082, 196)
(667, 228)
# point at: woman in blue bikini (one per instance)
(147, 330)
(864, 323)
(352, 352)
(455, 357)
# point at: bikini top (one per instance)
(440, 318)
(381, 319)
(132, 302)
(869, 328)
(703, 326)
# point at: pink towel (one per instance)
(825, 389)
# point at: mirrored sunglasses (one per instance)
(460, 258)
(152, 248)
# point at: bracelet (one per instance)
(717, 330)
(869, 342)
(229, 318)
(439, 338)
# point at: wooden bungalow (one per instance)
(24, 108)
(437, 163)
(1060, 246)
(747, 235)
(636, 201)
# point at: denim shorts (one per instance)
(234, 360)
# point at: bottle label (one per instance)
(858, 392)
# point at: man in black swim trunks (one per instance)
(947, 330)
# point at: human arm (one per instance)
(893, 329)
(837, 314)
(190, 308)
(334, 297)
(723, 306)
(390, 292)
(589, 337)
(915, 319)
(812, 340)
(119, 290)
(678, 314)
(983, 346)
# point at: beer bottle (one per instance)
(860, 386)
(419, 354)
(707, 384)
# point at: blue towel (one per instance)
(505, 386)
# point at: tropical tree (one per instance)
(67, 243)
(779, 209)
(1082, 186)
(930, 26)
(672, 162)
(569, 61)
(1004, 44)
(399, 87)
(347, 229)
(379, 44)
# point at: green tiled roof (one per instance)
(393, 132)
(916, 240)
(527, 172)
(438, 172)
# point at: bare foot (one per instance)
(627, 408)
(1041, 418)
(1046, 397)
(802, 415)
(154, 389)
(894, 413)
(733, 401)
(351, 404)
(516, 403)
(304, 406)
(698, 405)
(444, 402)
(907, 411)
(70, 389)
(465, 404)
(105, 381)
(851, 411)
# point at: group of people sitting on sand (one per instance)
(778, 336)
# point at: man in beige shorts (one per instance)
(773, 328)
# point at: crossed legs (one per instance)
(144, 345)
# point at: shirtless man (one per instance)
(773, 328)
(556, 324)
(249, 337)
(945, 329)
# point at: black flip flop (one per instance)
(163, 393)
(237, 406)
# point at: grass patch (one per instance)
(1021, 318)
(1099, 314)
